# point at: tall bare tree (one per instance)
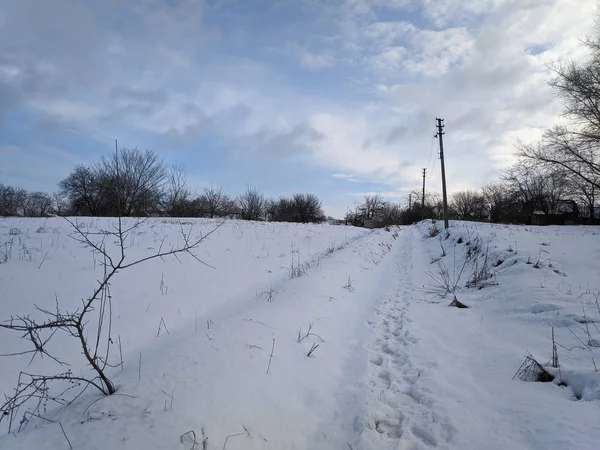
(371, 206)
(574, 147)
(134, 180)
(537, 187)
(497, 201)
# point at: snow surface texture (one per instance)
(395, 367)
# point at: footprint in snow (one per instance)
(378, 360)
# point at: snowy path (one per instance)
(383, 402)
(401, 413)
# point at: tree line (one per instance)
(132, 182)
(527, 192)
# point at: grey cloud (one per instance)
(396, 133)
(79, 50)
(190, 133)
(203, 124)
(300, 140)
(137, 94)
(130, 112)
(8, 98)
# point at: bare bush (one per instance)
(532, 370)
(90, 325)
(468, 205)
(301, 208)
(176, 199)
(267, 294)
(349, 285)
(309, 332)
(445, 282)
(214, 202)
(251, 204)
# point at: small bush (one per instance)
(456, 303)
(531, 370)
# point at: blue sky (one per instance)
(333, 97)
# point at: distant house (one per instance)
(567, 213)
(567, 207)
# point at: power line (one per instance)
(430, 159)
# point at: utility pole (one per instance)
(410, 201)
(439, 134)
(423, 196)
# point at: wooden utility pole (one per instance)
(440, 133)
(410, 201)
(423, 196)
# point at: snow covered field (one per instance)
(395, 367)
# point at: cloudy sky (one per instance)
(333, 97)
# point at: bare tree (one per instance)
(301, 208)
(90, 324)
(497, 201)
(371, 206)
(176, 199)
(574, 147)
(38, 204)
(308, 208)
(251, 204)
(564, 149)
(85, 191)
(585, 193)
(214, 202)
(12, 200)
(468, 205)
(536, 187)
(133, 180)
(60, 204)
(389, 214)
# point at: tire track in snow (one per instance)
(400, 412)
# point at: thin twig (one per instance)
(271, 357)
(120, 352)
(65, 434)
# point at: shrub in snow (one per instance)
(532, 370)
(32, 391)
